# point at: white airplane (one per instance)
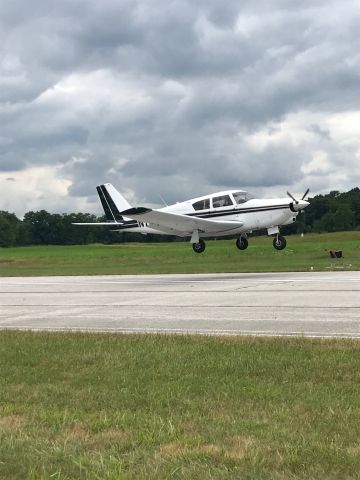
(228, 213)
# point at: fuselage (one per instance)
(231, 205)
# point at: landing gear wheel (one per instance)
(242, 243)
(279, 242)
(199, 247)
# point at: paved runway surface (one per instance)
(313, 304)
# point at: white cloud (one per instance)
(318, 165)
(38, 188)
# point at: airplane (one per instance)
(220, 214)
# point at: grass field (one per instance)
(220, 256)
(95, 406)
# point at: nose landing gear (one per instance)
(279, 242)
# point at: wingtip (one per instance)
(135, 211)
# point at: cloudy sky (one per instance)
(176, 98)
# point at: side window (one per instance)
(202, 204)
(223, 201)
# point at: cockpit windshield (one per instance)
(242, 197)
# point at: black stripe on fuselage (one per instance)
(237, 211)
(134, 224)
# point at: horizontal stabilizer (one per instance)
(100, 224)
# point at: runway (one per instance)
(314, 304)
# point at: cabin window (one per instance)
(223, 201)
(202, 204)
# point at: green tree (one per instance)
(9, 229)
(344, 218)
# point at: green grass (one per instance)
(94, 406)
(220, 256)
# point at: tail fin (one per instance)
(112, 201)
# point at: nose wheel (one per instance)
(279, 242)
(199, 246)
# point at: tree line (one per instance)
(44, 228)
(332, 212)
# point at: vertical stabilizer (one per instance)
(112, 201)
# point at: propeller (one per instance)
(305, 194)
(291, 196)
(295, 201)
(302, 198)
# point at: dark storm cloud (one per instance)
(178, 97)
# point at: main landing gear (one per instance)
(199, 246)
(242, 243)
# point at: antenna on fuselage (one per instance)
(163, 201)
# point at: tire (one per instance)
(199, 247)
(242, 243)
(279, 242)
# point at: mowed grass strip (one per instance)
(94, 406)
(301, 254)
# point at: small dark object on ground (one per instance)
(335, 253)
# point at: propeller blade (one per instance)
(305, 194)
(292, 197)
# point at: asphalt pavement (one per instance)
(317, 304)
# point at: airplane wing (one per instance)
(185, 224)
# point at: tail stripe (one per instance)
(111, 204)
(108, 213)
